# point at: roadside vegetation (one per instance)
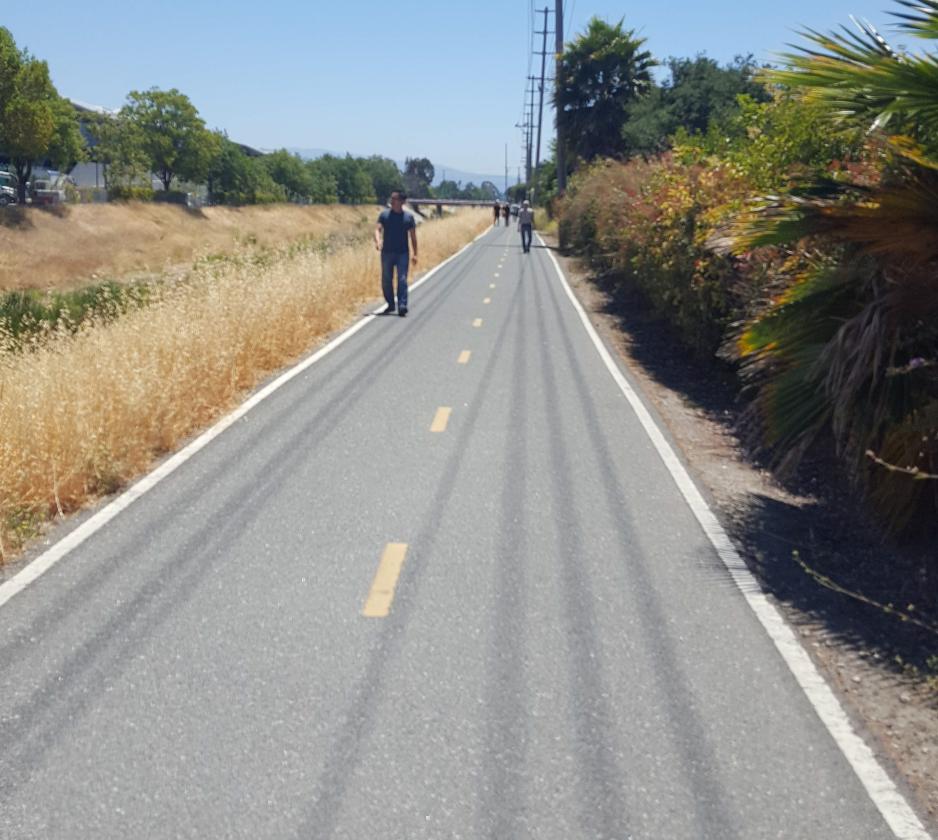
(100, 260)
(84, 410)
(127, 326)
(783, 221)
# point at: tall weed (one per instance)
(92, 407)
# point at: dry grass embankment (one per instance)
(83, 415)
(76, 244)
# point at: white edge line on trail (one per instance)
(897, 812)
(71, 541)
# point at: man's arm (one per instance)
(413, 243)
(379, 235)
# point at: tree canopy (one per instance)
(173, 135)
(385, 176)
(698, 92)
(601, 73)
(418, 175)
(35, 122)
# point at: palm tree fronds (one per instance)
(845, 346)
(901, 467)
(924, 23)
(911, 149)
(899, 221)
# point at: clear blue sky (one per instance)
(434, 78)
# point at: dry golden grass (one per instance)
(44, 249)
(83, 415)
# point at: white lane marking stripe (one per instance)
(71, 541)
(891, 803)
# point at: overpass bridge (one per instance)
(440, 203)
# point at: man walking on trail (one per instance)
(394, 228)
(506, 213)
(498, 211)
(526, 225)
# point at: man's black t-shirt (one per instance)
(395, 227)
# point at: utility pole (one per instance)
(525, 127)
(540, 104)
(529, 122)
(558, 49)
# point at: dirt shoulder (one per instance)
(884, 668)
(68, 246)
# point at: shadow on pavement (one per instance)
(833, 532)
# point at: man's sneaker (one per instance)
(402, 311)
(389, 310)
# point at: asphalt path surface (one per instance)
(357, 615)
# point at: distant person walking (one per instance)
(394, 228)
(526, 225)
(498, 211)
(506, 214)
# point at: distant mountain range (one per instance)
(440, 170)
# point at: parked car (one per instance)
(7, 189)
(46, 192)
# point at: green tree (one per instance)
(353, 185)
(773, 142)
(448, 189)
(67, 146)
(698, 92)
(418, 175)
(35, 122)
(385, 176)
(10, 61)
(601, 73)
(28, 123)
(324, 187)
(173, 135)
(517, 193)
(117, 145)
(234, 178)
(290, 172)
(488, 190)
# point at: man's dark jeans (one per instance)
(526, 234)
(389, 262)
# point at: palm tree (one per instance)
(851, 345)
(602, 71)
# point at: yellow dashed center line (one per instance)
(440, 419)
(491, 285)
(464, 357)
(477, 322)
(496, 274)
(486, 300)
(381, 595)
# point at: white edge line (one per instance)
(897, 812)
(71, 541)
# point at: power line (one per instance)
(532, 111)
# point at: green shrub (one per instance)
(27, 313)
(119, 193)
(648, 224)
